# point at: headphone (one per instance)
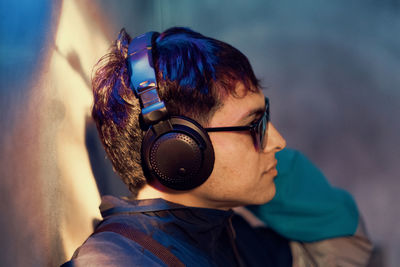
(176, 150)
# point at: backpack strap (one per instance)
(144, 240)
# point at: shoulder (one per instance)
(258, 244)
(112, 249)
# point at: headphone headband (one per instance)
(143, 78)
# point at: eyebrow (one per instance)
(251, 113)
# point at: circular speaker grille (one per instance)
(176, 158)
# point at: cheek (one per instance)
(236, 157)
(233, 145)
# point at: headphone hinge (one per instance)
(162, 127)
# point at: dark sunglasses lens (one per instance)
(263, 126)
(261, 131)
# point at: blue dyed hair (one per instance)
(194, 74)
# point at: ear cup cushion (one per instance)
(181, 159)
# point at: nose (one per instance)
(275, 141)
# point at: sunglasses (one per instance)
(258, 130)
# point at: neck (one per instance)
(186, 198)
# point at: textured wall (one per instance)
(49, 196)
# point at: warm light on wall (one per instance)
(79, 43)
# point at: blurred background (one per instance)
(330, 68)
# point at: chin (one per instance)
(264, 197)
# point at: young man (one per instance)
(186, 126)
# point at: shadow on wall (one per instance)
(108, 182)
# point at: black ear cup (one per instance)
(180, 159)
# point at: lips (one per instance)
(273, 167)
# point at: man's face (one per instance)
(241, 175)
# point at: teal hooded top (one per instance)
(306, 207)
